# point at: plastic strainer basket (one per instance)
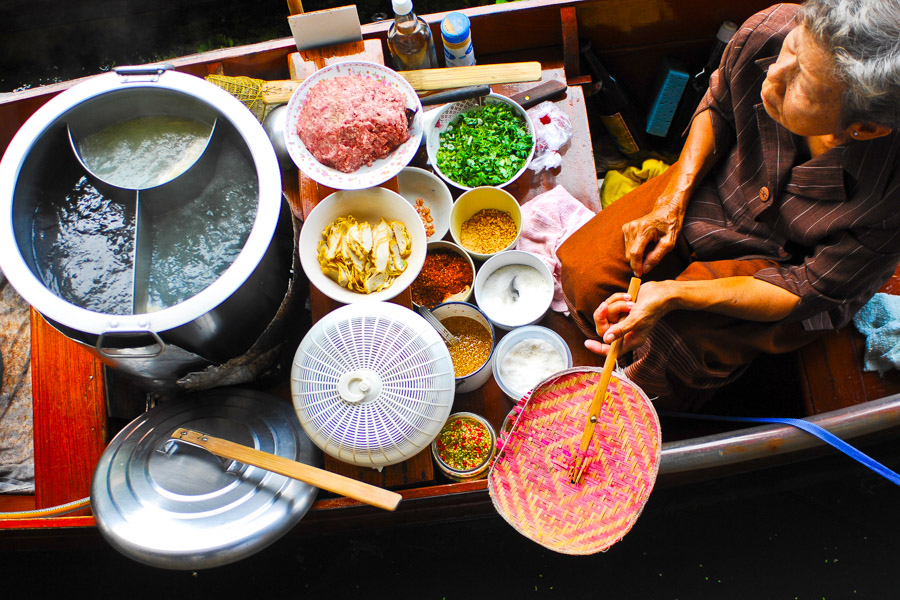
(372, 384)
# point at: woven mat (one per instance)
(16, 446)
(529, 482)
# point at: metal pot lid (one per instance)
(186, 510)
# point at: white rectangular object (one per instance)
(325, 27)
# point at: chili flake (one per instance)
(487, 231)
(464, 444)
(444, 274)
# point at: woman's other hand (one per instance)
(661, 227)
(741, 297)
(650, 238)
(621, 317)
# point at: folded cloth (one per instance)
(879, 321)
(618, 183)
(547, 220)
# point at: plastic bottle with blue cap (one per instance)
(457, 38)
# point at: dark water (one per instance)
(823, 529)
(45, 42)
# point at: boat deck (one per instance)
(71, 387)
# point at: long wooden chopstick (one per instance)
(320, 478)
(576, 472)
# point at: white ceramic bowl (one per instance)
(478, 199)
(442, 245)
(449, 113)
(415, 183)
(366, 176)
(532, 304)
(370, 205)
(479, 377)
(516, 389)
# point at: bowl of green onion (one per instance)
(480, 142)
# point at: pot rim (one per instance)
(33, 290)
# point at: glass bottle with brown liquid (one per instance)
(409, 39)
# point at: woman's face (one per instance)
(799, 91)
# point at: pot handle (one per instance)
(160, 345)
(142, 73)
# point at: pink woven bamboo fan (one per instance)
(530, 482)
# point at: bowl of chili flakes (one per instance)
(447, 275)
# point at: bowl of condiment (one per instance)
(514, 288)
(347, 126)
(485, 221)
(480, 142)
(526, 356)
(472, 354)
(362, 245)
(447, 276)
(431, 198)
(464, 447)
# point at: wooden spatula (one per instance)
(320, 478)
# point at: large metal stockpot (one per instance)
(156, 345)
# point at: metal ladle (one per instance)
(451, 339)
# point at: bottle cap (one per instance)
(402, 7)
(455, 28)
(726, 31)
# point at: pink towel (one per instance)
(547, 220)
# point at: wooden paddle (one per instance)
(320, 478)
(279, 91)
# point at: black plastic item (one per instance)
(613, 107)
(693, 93)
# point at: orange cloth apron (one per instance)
(689, 354)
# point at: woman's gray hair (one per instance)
(863, 36)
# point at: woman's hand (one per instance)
(660, 228)
(663, 225)
(621, 317)
(742, 297)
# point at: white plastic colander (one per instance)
(372, 384)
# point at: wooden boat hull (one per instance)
(631, 36)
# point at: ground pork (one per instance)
(351, 121)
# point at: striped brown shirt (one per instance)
(833, 222)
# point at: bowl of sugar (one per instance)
(527, 356)
(514, 288)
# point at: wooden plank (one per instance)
(571, 58)
(578, 173)
(69, 415)
(420, 468)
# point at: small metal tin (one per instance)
(186, 509)
(475, 472)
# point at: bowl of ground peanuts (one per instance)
(485, 221)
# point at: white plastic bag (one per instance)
(553, 130)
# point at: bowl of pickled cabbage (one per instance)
(362, 245)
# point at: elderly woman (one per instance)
(778, 222)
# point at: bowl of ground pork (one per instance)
(346, 125)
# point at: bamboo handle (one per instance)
(320, 478)
(608, 365)
(279, 91)
(454, 77)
